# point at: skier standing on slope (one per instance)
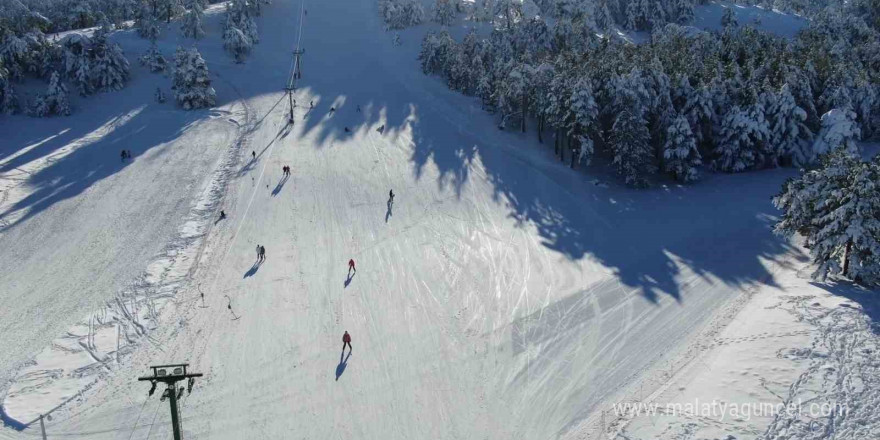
(351, 266)
(391, 196)
(258, 253)
(346, 340)
(263, 253)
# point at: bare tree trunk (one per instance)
(540, 128)
(846, 258)
(562, 149)
(556, 143)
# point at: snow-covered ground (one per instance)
(500, 296)
(798, 362)
(708, 17)
(78, 225)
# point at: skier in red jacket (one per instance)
(346, 340)
(351, 266)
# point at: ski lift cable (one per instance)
(297, 46)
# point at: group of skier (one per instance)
(261, 250)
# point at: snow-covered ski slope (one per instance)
(501, 296)
(78, 224)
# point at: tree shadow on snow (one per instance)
(83, 149)
(867, 299)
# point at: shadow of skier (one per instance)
(279, 185)
(253, 270)
(343, 362)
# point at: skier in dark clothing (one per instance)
(391, 196)
(124, 155)
(346, 340)
(254, 154)
(222, 215)
(332, 109)
(351, 266)
(263, 253)
(311, 104)
(347, 130)
(259, 253)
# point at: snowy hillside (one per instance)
(499, 295)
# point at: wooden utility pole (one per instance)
(295, 75)
(170, 375)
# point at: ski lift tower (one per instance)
(295, 74)
(170, 375)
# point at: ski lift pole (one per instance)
(170, 375)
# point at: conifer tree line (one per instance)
(89, 64)
(86, 65)
(836, 208)
(733, 100)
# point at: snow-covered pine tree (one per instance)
(508, 12)
(236, 43)
(799, 83)
(681, 92)
(154, 60)
(680, 155)
(146, 23)
(584, 114)
(558, 104)
(603, 17)
(238, 14)
(866, 105)
(8, 100)
(437, 52)
(110, 68)
(81, 76)
(192, 82)
(513, 92)
(700, 113)
(787, 129)
(740, 142)
(443, 12)
(728, 19)
(839, 130)
(54, 101)
(401, 14)
(191, 27)
(77, 61)
(168, 9)
(630, 144)
(682, 11)
(837, 209)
